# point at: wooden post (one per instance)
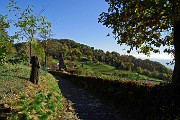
(34, 77)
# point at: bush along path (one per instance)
(86, 106)
(134, 100)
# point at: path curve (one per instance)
(86, 106)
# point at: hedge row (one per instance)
(140, 101)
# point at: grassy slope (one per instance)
(26, 100)
(110, 72)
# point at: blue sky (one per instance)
(78, 20)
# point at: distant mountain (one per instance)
(164, 62)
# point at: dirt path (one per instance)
(85, 106)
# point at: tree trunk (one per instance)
(45, 56)
(176, 72)
(30, 52)
(45, 51)
(45, 59)
(34, 77)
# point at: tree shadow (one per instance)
(157, 102)
(85, 104)
(20, 77)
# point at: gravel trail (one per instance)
(83, 105)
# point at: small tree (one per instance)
(31, 25)
(27, 22)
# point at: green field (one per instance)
(98, 69)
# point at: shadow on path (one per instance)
(87, 106)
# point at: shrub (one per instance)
(143, 101)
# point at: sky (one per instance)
(78, 20)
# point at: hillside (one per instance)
(73, 51)
(105, 71)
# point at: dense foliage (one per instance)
(23, 51)
(29, 26)
(5, 40)
(146, 25)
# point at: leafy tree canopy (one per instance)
(142, 24)
(30, 25)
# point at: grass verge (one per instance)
(22, 100)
